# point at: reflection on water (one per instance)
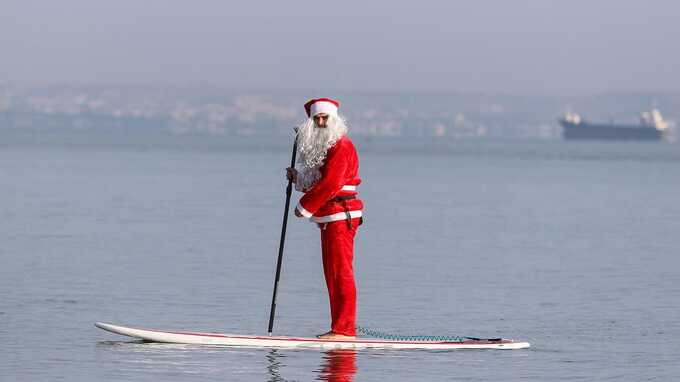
(274, 366)
(336, 366)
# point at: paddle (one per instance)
(289, 190)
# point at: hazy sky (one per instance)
(509, 46)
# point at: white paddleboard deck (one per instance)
(197, 338)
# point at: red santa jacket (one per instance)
(339, 177)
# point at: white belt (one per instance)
(348, 188)
(335, 217)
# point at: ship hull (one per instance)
(588, 131)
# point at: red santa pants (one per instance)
(337, 249)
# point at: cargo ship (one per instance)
(652, 127)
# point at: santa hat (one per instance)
(322, 106)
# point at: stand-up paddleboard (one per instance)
(197, 338)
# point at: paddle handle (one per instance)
(282, 241)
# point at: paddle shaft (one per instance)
(289, 191)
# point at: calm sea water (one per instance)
(574, 247)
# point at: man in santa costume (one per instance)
(328, 176)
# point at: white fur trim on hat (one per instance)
(323, 107)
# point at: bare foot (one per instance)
(335, 336)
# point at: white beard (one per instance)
(313, 144)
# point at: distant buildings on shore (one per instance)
(200, 111)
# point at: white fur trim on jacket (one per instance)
(335, 217)
(303, 211)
